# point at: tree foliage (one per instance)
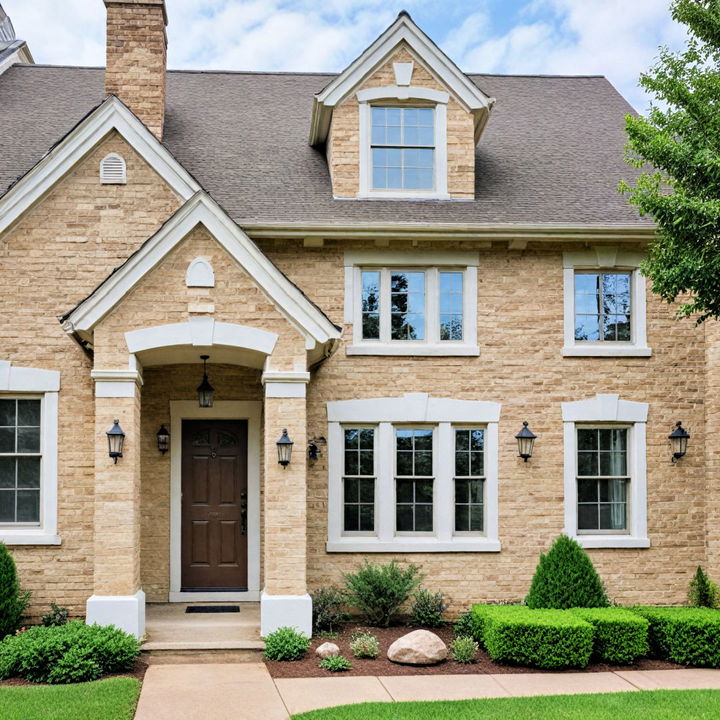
(13, 601)
(678, 147)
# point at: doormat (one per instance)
(212, 609)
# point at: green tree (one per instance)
(12, 600)
(703, 592)
(678, 147)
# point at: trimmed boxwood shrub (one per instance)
(621, 636)
(74, 652)
(481, 615)
(689, 636)
(548, 639)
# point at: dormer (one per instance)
(401, 121)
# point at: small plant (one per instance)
(427, 609)
(337, 663)
(364, 645)
(286, 643)
(327, 604)
(12, 600)
(379, 591)
(565, 578)
(703, 592)
(56, 617)
(464, 649)
(467, 625)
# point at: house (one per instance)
(12, 50)
(392, 268)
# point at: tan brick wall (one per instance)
(712, 434)
(343, 147)
(137, 58)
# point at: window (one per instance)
(451, 306)
(359, 480)
(20, 459)
(414, 480)
(469, 480)
(408, 474)
(602, 306)
(402, 143)
(602, 477)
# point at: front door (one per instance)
(214, 505)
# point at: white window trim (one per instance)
(602, 258)
(608, 409)
(45, 385)
(437, 261)
(395, 93)
(411, 410)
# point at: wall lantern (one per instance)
(284, 446)
(116, 439)
(205, 390)
(163, 439)
(679, 438)
(313, 449)
(525, 440)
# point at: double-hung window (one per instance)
(359, 480)
(414, 480)
(469, 480)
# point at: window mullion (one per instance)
(385, 305)
(385, 483)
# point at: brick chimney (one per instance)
(137, 57)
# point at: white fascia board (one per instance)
(201, 209)
(112, 114)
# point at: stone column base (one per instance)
(285, 611)
(126, 612)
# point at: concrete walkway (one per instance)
(246, 691)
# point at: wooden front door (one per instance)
(214, 505)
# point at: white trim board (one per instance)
(223, 410)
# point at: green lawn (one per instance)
(111, 699)
(655, 705)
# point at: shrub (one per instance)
(427, 609)
(286, 643)
(327, 604)
(337, 663)
(689, 636)
(56, 617)
(703, 592)
(12, 600)
(548, 639)
(565, 578)
(621, 636)
(379, 591)
(468, 625)
(73, 652)
(464, 649)
(364, 645)
(482, 614)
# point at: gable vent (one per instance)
(112, 170)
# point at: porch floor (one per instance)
(169, 627)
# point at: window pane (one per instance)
(7, 506)
(423, 491)
(367, 462)
(367, 491)
(7, 413)
(7, 472)
(476, 491)
(477, 466)
(367, 439)
(603, 307)
(350, 519)
(462, 463)
(371, 305)
(587, 491)
(462, 518)
(423, 518)
(28, 439)
(28, 506)
(28, 472)
(612, 516)
(7, 439)
(462, 491)
(587, 463)
(407, 304)
(476, 518)
(367, 518)
(351, 490)
(28, 412)
(405, 491)
(423, 463)
(351, 463)
(404, 518)
(587, 439)
(588, 517)
(351, 438)
(587, 328)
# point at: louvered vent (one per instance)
(112, 170)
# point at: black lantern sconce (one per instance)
(163, 439)
(526, 441)
(116, 439)
(679, 439)
(284, 447)
(205, 390)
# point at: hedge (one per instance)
(689, 636)
(548, 639)
(621, 636)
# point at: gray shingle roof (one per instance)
(552, 152)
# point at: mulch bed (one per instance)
(308, 666)
(138, 672)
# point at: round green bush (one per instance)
(364, 645)
(464, 649)
(286, 643)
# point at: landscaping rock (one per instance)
(327, 650)
(420, 647)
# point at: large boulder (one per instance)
(420, 647)
(327, 650)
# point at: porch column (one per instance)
(285, 601)
(117, 598)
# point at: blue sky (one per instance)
(616, 38)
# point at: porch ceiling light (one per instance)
(163, 439)
(679, 439)
(116, 439)
(525, 440)
(284, 446)
(205, 390)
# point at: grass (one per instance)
(657, 704)
(111, 699)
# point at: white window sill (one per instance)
(442, 350)
(408, 545)
(606, 350)
(612, 541)
(10, 537)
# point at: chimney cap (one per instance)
(140, 2)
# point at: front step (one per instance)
(191, 657)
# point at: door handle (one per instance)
(243, 513)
